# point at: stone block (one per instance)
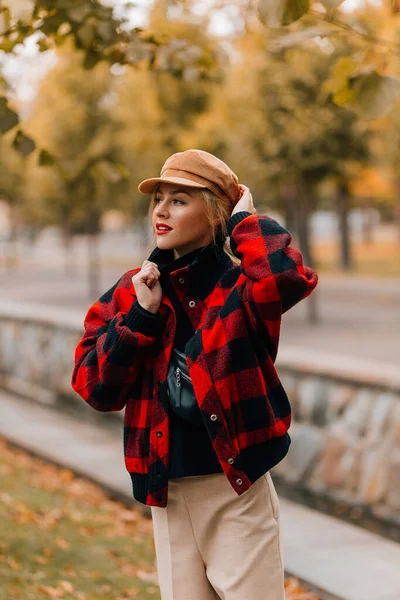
(396, 424)
(381, 417)
(306, 446)
(393, 493)
(329, 473)
(319, 416)
(339, 397)
(290, 382)
(374, 479)
(310, 389)
(356, 415)
(352, 466)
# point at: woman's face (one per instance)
(182, 209)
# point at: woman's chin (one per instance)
(163, 242)
(163, 239)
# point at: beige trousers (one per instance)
(211, 543)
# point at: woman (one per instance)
(187, 343)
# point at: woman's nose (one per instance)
(160, 209)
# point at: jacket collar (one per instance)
(202, 267)
(213, 251)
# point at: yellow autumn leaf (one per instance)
(42, 560)
(52, 592)
(66, 475)
(13, 563)
(67, 586)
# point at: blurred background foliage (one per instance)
(300, 98)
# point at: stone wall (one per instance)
(37, 346)
(346, 415)
(345, 433)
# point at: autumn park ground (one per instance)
(378, 259)
(62, 537)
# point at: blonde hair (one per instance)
(217, 213)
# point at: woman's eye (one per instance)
(175, 200)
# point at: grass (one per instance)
(61, 537)
(378, 259)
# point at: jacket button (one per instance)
(181, 280)
(230, 461)
(159, 434)
(192, 303)
(213, 417)
(239, 481)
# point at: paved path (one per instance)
(344, 561)
(358, 317)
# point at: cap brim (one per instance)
(147, 186)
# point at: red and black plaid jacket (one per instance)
(122, 359)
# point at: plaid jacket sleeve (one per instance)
(275, 278)
(114, 344)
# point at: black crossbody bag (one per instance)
(180, 389)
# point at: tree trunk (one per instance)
(397, 208)
(93, 265)
(303, 231)
(343, 207)
(11, 258)
(368, 224)
(67, 239)
(289, 195)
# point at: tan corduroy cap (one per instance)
(200, 169)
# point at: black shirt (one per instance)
(191, 451)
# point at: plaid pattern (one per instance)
(122, 359)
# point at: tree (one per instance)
(73, 117)
(93, 30)
(284, 133)
(364, 86)
(159, 108)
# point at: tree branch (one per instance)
(349, 29)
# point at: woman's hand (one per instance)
(245, 202)
(147, 286)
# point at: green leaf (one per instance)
(343, 96)
(4, 20)
(86, 34)
(79, 13)
(105, 30)
(8, 45)
(276, 13)
(108, 171)
(375, 94)
(24, 144)
(45, 158)
(8, 117)
(52, 22)
(43, 45)
(343, 67)
(91, 59)
(22, 10)
(338, 83)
